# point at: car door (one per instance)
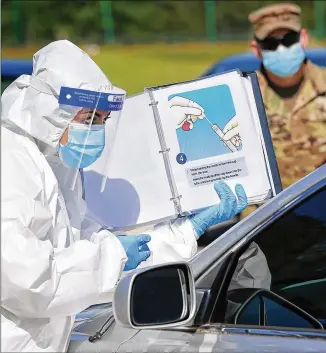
(288, 257)
(294, 262)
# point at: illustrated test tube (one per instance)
(220, 133)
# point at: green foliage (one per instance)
(40, 21)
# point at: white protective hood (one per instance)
(54, 262)
(30, 103)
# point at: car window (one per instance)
(289, 258)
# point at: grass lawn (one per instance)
(139, 66)
(134, 67)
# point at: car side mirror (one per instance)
(265, 308)
(156, 297)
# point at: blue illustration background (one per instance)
(202, 141)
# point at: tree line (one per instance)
(37, 21)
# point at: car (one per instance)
(246, 62)
(260, 287)
(12, 69)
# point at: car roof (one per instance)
(16, 67)
(209, 255)
(249, 62)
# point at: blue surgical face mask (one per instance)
(77, 154)
(284, 62)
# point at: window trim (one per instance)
(275, 331)
(244, 242)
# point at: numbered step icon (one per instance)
(181, 158)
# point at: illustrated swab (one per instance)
(220, 134)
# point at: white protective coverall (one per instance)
(46, 276)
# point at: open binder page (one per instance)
(216, 139)
(137, 191)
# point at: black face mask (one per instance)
(272, 43)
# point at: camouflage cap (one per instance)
(269, 18)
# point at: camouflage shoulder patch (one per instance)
(317, 75)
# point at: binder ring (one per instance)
(164, 151)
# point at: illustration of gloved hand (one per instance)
(232, 132)
(136, 249)
(185, 112)
(229, 206)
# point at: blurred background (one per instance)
(143, 43)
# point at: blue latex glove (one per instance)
(225, 210)
(136, 249)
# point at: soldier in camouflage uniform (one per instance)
(293, 89)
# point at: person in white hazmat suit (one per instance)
(55, 261)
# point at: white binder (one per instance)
(159, 171)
